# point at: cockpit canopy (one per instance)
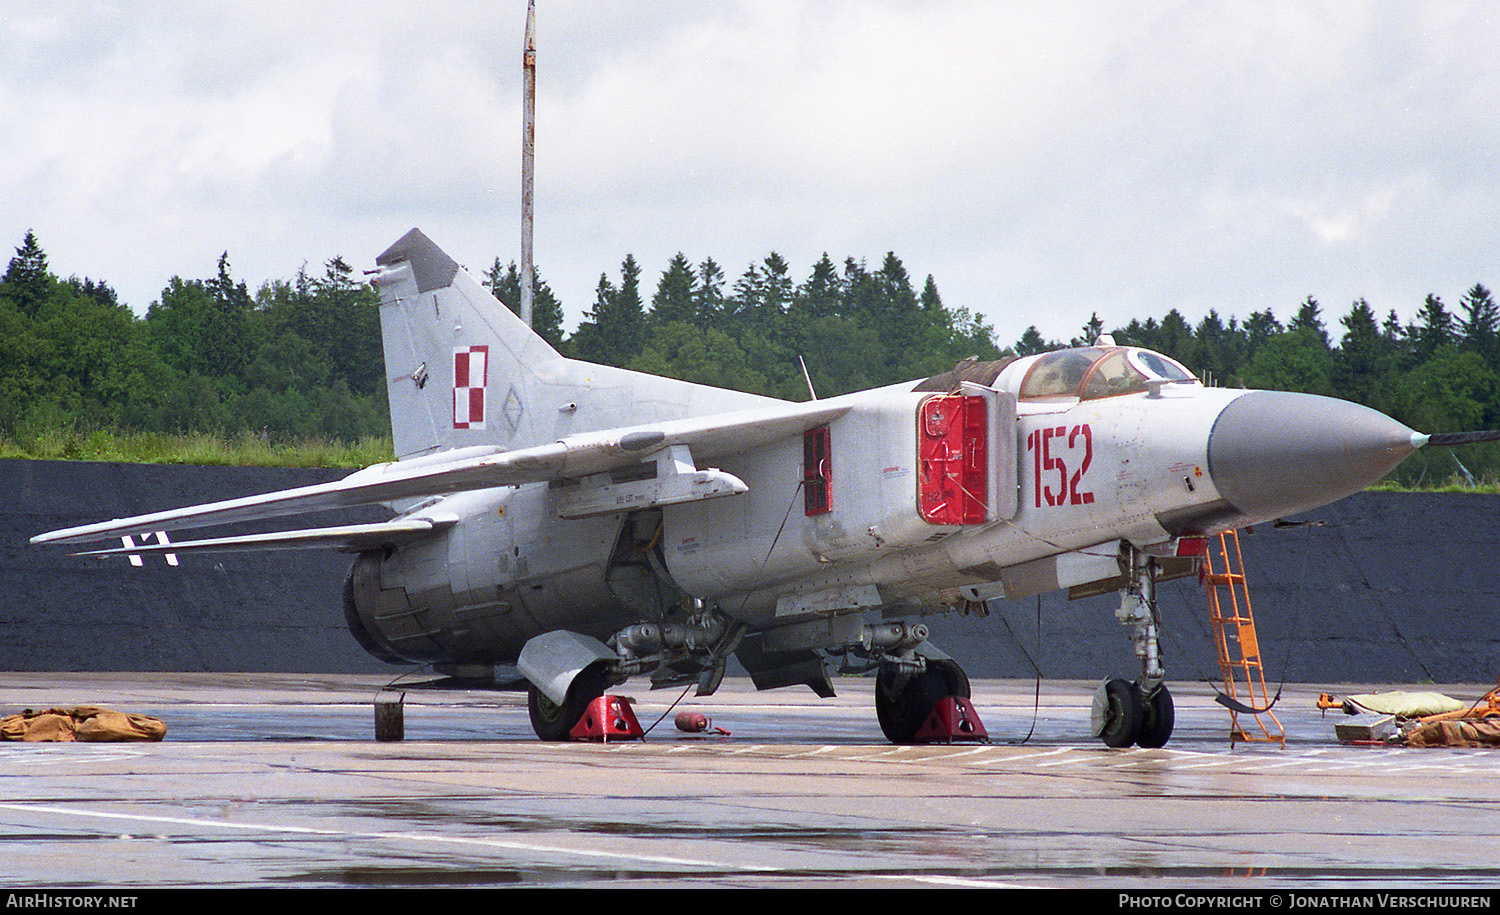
(1090, 372)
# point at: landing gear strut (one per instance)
(904, 698)
(1137, 712)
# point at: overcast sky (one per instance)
(1042, 160)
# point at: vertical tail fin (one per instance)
(459, 365)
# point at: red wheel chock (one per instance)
(607, 718)
(952, 719)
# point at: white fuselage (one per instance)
(1086, 474)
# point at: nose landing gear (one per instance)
(1138, 712)
(1125, 713)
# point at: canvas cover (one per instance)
(83, 723)
(1467, 732)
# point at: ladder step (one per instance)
(1236, 642)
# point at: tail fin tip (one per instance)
(430, 266)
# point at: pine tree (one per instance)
(1433, 329)
(1139, 333)
(233, 333)
(708, 294)
(673, 300)
(1309, 317)
(28, 282)
(1032, 343)
(1260, 327)
(900, 315)
(100, 291)
(632, 310)
(546, 311)
(1362, 356)
(858, 292)
(1480, 324)
(591, 341)
(1176, 335)
(744, 303)
(779, 288)
(820, 294)
(614, 331)
(353, 347)
(1089, 332)
(1218, 351)
(930, 301)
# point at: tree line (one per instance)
(301, 358)
(853, 327)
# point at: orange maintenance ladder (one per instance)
(1223, 578)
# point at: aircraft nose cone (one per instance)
(1273, 454)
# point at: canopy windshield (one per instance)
(1091, 372)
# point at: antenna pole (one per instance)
(528, 161)
(807, 378)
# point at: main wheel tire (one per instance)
(555, 722)
(1124, 713)
(1157, 718)
(902, 705)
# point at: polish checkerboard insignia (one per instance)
(470, 375)
(159, 536)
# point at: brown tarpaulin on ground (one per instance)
(1476, 732)
(83, 722)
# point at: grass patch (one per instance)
(244, 450)
(1456, 484)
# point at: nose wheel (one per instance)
(1125, 714)
(1157, 719)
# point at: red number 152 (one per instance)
(1053, 450)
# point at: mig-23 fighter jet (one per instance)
(590, 524)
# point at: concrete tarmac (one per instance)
(275, 780)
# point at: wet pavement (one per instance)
(275, 780)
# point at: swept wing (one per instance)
(707, 437)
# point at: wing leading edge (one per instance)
(350, 538)
(707, 437)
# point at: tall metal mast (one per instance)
(528, 160)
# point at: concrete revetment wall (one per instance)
(1381, 588)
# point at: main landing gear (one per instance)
(1140, 711)
(907, 690)
(551, 721)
